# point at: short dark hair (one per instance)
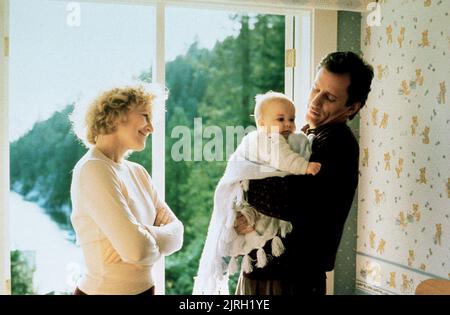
(361, 74)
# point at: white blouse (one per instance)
(114, 208)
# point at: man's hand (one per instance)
(241, 225)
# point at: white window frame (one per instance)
(303, 26)
(5, 273)
(298, 78)
(158, 136)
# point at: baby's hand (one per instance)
(241, 225)
(313, 168)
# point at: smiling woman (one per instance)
(122, 225)
(90, 40)
(120, 118)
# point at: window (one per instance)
(229, 58)
(62, 53)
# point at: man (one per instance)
(316, 205)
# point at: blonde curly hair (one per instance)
(103, 114)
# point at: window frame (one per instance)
(5, 273)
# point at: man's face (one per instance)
(328, 98)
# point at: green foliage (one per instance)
(41, 165)
(22, 270)
(220, 89)
(217, 85)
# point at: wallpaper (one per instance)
(404, 188)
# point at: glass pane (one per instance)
(215, 67)
(61, 52)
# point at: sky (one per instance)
(54, 61)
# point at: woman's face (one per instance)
(134, 130)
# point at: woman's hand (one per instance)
(163, 217)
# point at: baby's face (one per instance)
(278, 116)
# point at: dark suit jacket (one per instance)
(316, 205)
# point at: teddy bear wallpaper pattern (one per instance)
(404, 186)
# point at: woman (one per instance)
(120, 222)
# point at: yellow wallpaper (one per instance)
(404, 187)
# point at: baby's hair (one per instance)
(261, 99)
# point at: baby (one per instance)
(274, 142)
